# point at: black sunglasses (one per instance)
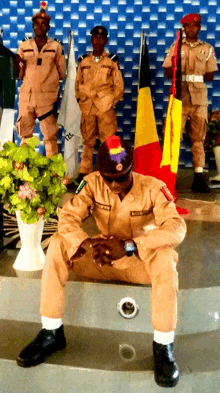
(120, 179)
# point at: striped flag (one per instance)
(147, 151)
(172, 132)
(69, 116)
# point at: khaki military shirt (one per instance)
(99, 82)
(196, 59)
(147, 214)
(42, 71)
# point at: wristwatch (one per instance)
(130, 247)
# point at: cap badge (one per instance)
(119, 167)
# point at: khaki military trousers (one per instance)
(28, 113)
(159, 269)
(197, 115)
(92, 125)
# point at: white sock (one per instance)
(164, 338)
(51, 323)
(198, 169)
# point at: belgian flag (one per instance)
(172, 130)
(147, 151)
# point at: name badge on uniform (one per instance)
(136, 213)
(102, 206)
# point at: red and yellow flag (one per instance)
(147, 151)
(172, 131)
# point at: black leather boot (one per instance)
(46, 343)
(199, 184)
(166, 372)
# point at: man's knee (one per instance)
(25, 126)
(54, 244)
(164, 263)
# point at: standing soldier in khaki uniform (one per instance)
(139, 227)
(41, 64)
(198, 66)
(99, 86)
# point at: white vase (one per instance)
(216, 151)
(31, 256)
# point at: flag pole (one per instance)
(70, 36)
(140, 57)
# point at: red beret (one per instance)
(190, 18)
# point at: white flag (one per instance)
(6, 126)
(69, 116)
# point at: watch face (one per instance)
(129, 246)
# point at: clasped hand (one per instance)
(104, 251)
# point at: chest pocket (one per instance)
(86, 73)
(49, 55)
(101, 212)
(28, 55)
(201, 63)
(141, 218)
(105, 73)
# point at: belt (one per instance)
(192, 78)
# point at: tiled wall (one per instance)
(124, 19)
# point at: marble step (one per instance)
(101, 360)
(95, 305)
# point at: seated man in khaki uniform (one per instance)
(139, 229)
(99, 86)
(198, 66)
(40, 64)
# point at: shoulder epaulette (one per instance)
(59, 42)
(26, 39)
(210, 46)
(81, 58)
(113, 57)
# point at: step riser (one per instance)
(52, 378)
(95, 305)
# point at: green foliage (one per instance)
(23, 165)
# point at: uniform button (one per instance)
(71, 249)
(144, 248)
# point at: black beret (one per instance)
(99, 30)
(106, 163)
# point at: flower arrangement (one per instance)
(213, 130)
(30, 182)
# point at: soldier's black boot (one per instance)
(46, 343)
(166, 372)
(199, 184)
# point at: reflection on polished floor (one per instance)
(108, 353)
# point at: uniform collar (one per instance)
(104, 54)
(49, 39)
(193, 44)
